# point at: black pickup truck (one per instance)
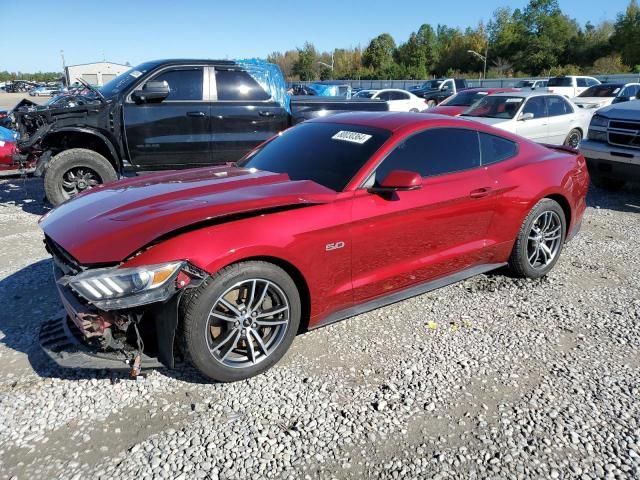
(166, 114)
(435, 91)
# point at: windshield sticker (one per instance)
(483, 93)
(513, 100)
(135, 73)
(354, 137)
(1, 143)
(616, 90)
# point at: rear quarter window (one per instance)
(495, 149)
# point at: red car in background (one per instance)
(457, 104)
(332, 218)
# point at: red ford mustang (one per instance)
(460, 102)
(223, 266)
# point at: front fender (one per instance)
(49, 140)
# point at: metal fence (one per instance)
(489, 83)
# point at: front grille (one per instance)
(624, 133)
(62, 259)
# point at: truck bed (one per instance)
(306, 107)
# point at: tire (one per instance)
(607, 183)
(526, 247)
(431, 103)
(414, 110)
(573, 138)
(216, 347)
(89, 168)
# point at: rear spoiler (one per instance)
(562, 148)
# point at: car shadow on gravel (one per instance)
(626, 200)
(26, 193)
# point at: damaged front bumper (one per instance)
(89, 337)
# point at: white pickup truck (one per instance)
(571, 85)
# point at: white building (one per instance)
(97, 73)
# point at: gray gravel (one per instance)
(494, 377)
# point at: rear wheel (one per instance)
(540, 240)
(573, 139)
(240, 322)
(73, 171)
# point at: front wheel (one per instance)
(539, 241)
(73, 171)
(241, 321)
(573, 139)
(431, 103)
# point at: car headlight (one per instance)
(113, 288)
(599, 121)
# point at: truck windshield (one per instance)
(495, 107)
(339, 151)
(125, 80)
(432, 84)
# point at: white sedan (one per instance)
(398, 100)
(605, 94)
(541, 117)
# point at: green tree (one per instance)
(305, 66)
(378, 55)
(626, 37)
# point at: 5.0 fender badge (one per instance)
(334, 246)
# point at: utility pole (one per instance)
(483, 58)
(326, 64)
(64, 68)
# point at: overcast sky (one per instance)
(123, 31)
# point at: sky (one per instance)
(133, 31)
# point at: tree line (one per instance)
(32, 77)
(539, 40)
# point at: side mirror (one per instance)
(446, 87)
(525, 116)
(398, 180)
(151, 92)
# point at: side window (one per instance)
(386, 96)
(591, 82)
(238, 85)
(434, 152)
(558, 106)
(535, 105)
(582, 82)
(449, 83)
(184, 83)
(399, 96)
(495, 149)
(630, 91)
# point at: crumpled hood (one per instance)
(112, 221)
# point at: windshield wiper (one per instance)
(93, 89)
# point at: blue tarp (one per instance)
(7, 135)
(329, 90)
(270, 78)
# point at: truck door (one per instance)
(175, 132)
(243, 114)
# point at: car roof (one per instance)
(491, 90)
(525, 94)
(392, 121)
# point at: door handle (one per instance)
(266, 113)
(480, 192)
(196, 114)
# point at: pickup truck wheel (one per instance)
(539, 241)
(573, 139)
(241, 321)
(431, 103)
(73, 171)
(606, 183)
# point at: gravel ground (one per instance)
(494, 377)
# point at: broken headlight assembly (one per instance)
(115, 288)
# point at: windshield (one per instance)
(496, 107)
(601, 91)
(560, 82)
(125, 80)
(464, 99)
(364, 94)
(338, 152)
(432, 84)
(524, 84)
